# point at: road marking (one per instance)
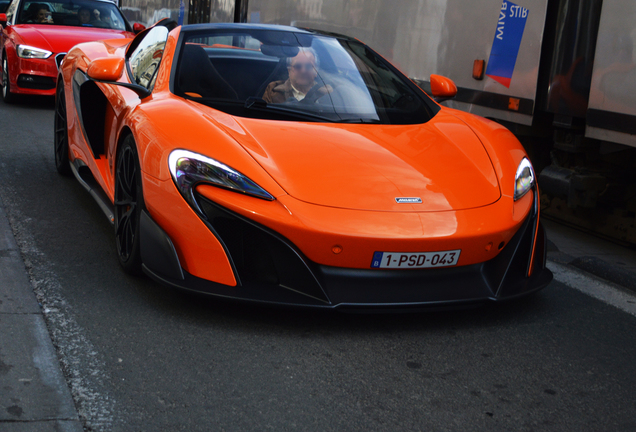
(597, 288)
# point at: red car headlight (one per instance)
(29, 52)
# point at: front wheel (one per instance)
(62, 163)
(7, 96)
(129, 202)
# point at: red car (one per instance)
(36, 35)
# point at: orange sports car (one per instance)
(295, 167)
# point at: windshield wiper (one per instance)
(360, 120)
(255, 102)
(260, 104)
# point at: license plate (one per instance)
(405, 260)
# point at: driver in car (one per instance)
(39, 13)
(301, 84)
(84, 15)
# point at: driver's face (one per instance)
(302, 71)
(42, 15)
(84, 16)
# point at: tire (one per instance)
(129, 203)
(62, 163)
(7, 96)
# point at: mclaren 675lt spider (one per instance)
(295, 167)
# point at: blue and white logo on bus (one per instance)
(505, 46)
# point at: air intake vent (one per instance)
(36, 82)
(261, 258)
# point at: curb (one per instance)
(35, 396)
(594, 266)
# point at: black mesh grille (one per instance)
(36, 82)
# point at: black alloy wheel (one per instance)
(62, 163)
(129, 203)
(7, 96)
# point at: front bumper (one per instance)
(35, 76)
(269, 269)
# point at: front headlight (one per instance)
(524, 179)
(189, 169)
(29, 52)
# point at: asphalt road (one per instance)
(139, 356)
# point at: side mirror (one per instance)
(138, 28)
(3, 19)
(442, 88)
(106, 69)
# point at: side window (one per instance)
(11, 10)
(146, 57)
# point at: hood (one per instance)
(62, 38)
(366, 167)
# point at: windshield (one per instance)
(74, 13)
(296, 76)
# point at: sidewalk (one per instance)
(34, 396)
(602, 258)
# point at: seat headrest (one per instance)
(198, 75)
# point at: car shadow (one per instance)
(35, 102)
